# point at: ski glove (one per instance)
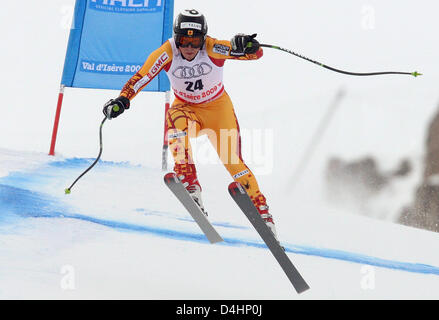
(244, 44)
(115, 107)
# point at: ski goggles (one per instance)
(194, 42)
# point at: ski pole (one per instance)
(414, 74)
(68, 190)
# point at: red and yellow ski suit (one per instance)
(201, 106)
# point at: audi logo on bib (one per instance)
(197, 81)
(197, 70)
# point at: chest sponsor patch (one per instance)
(221, 49)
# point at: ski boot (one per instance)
(261, 204)
(190, 182)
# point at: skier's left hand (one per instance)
(244, 44)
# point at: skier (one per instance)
(194, 64)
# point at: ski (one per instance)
(177, 188)
(246, 205)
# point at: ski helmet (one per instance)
(190, 23)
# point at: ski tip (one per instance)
(416, 74)
(302, 289)
(216, 240)
(67, 191)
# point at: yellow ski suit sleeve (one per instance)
(156, 61)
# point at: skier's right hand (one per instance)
(115, 107)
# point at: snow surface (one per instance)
(121, 234)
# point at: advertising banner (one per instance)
(111, 39)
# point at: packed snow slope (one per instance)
(123, 235)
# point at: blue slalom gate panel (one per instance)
(111, 39)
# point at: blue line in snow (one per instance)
(363, 259)
(188, 219)
(85, 162)
(24, 203)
